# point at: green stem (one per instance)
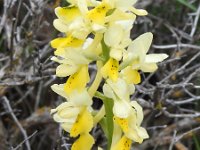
(105, 114)
(108, 104)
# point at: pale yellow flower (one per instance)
(109, 22)
(82, 127)
(110, 69)
(77, 120)
(77, 82)
(71, 60)
(119, 15)
(127, 114)
(117, 37)
(120, 92)
(64, 42)
(66, 115)
(83, 124)
(137, 56)
(79, 98)
(75, 116)
(126, 6)
(131, 125)
(71, 21)
(83, 4)
(131, 76)
(59, 89)
(97, 16)
(84, 142)
(92, 47)
(123, 144)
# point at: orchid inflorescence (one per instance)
(99, 32)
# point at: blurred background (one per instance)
(170, 96)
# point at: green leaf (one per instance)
(106, 51)
(107, 122)
(186, 3)
(103, 124)
(196, 142)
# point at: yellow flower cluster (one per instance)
(99, 31)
